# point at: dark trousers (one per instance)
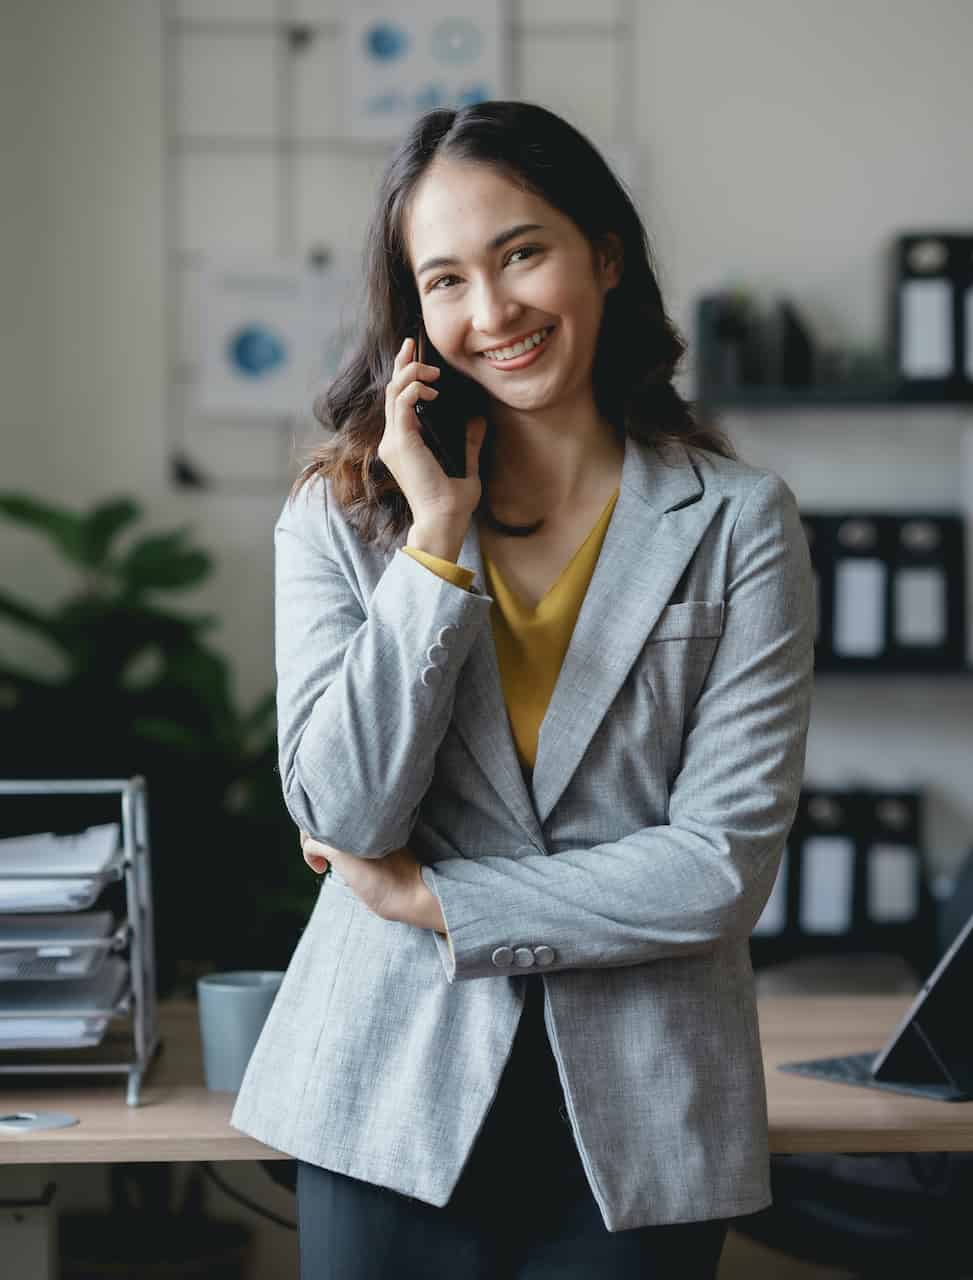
(522, 1209)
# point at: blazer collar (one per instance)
(661, 514)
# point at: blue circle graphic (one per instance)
(256, 351)
(385, 41)
(456, 40)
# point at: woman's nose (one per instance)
(493, 311)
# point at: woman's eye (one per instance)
(524, 248)
(527, 249)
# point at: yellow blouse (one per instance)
(530, 642)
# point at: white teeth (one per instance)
(519, 348)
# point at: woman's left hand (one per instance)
(388, 886)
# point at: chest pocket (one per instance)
(694, 619)
(674, 664)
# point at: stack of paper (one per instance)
(34, 947)
(83, 857)
(68, 1014)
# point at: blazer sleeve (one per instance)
(364, 695)
(705, 877)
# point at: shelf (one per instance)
(826, 397)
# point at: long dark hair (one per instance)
(638, 348)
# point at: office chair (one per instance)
(884, 1215)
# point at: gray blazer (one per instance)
(627, 875)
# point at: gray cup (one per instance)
(232, 1010)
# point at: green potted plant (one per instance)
(142, 690)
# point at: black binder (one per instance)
(890, 590)
(931, 314)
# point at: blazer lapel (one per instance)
(480, 712)
(661, 514)
(659, 519)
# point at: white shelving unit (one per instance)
(136, 998)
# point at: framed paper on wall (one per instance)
(402, 60)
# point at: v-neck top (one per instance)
(530, 641)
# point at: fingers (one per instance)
(403, 392)
(407, 370)
(405, 352)
(417, 391)
(316, 861)
(411, 375)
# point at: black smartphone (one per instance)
(442, 422)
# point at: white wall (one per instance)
(83, 350)
(783, 144)
(787, 143)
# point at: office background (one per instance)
(780, 145)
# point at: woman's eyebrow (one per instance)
(496, 243)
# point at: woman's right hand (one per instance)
(435, 499)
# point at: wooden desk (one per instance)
(179, 1119)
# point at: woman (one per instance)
(546, 723)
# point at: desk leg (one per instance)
(28, 1234)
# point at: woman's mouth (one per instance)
(520, 354)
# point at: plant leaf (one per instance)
(65, 529)
(160, 562)
(103, 523)
(15, 611)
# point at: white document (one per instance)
(859, 608)
(827, 884)
(893, 892)
(256, 352)
(65, 1007)
(402, 60)
(920, 606)
(52, 946)
(31, 1033)
(85, 855)
(273, 332)
(926, 328)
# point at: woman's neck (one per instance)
(541, 471)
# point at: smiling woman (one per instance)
(555, 799)
(495, 224)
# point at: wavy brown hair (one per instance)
(638, 351)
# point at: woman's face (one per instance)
(496, 266)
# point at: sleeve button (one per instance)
(544, 955)
(523, 957)
(503, 957)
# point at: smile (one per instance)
(520, 354)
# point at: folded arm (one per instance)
(705, 876)
(363, 699)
